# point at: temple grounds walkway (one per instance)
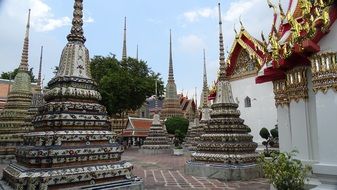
(167, 172)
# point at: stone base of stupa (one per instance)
(7, 159)
(223, 171)
(147, 149)
(110, 176)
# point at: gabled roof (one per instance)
(137, 127)
(245, 41)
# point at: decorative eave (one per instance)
(300, 52)
(253, 47)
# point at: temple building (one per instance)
(302, 66)
(256, 104)
(137, 129)
(225, 150)
(71, 145)
(188, 107)
(171, 106)
(15, 112)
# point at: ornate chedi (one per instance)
(37, 99)
(171, 105)
(71, 145)
(225, 149)
(12, 118)
(191, 134)
(157, 140)
(205, 109)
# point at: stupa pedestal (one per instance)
(71, 145)
(157, 141)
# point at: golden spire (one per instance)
(76, 32)
(24, 56)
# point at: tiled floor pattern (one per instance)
(165, 171)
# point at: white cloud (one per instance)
(42, 17)
(238, 8)
(195, 15)
(191, 43)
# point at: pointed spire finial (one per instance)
(222, 52)
(24, 56)
(124, 55)
(76, 32)
(205, 89)
(39, 81)
(171, 76)
(137, 53)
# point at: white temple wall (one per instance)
(262, 112)
(300, 128)
(312, 118)
(284, 128)
(329, 42)
(327, 126)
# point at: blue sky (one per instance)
(194, 25)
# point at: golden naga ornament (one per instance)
(315, 17)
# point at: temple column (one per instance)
(283, 117)
(297, 92)
(324, 80)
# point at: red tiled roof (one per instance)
(141, 123)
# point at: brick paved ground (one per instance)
(165, 172)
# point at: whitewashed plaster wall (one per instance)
(329, 42)
(262, 112)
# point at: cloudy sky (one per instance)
(194, 25)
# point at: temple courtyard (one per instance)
(166, 171)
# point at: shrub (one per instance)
(264, 133)
(285, 172)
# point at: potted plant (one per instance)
(284, 171)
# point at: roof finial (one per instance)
(124, 55)
(39, 84)
(76, 32)
(171, 76)
(222, 52)
(24, 56)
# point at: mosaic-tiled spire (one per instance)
(76, 32)
(137, 53)
(12, 118)
(39, 80)
(225, 138)
(171, 106)
(170, 74)
(24, 57)
(205, 90)
(124, 54)
(222, 49)
(224, 90)
(71, 136)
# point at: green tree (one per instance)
(124, 85)
(10, 75)
(177, 126)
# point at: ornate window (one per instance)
(248, 102)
